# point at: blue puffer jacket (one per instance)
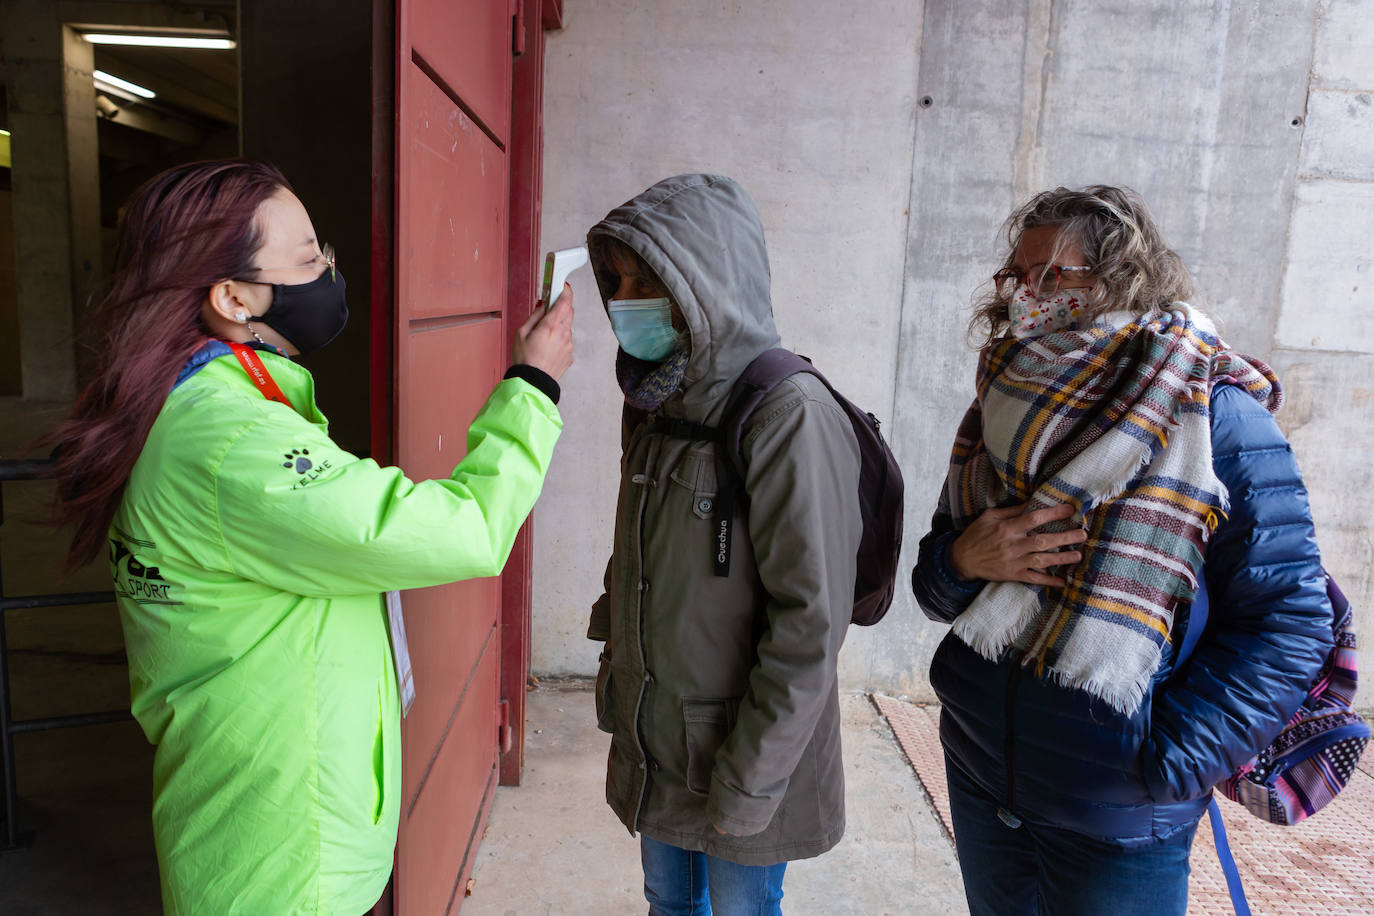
(1056, 755)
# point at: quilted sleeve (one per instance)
(1269, 627)
(940, 592)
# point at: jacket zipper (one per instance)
(645, 482)
(1004, 813)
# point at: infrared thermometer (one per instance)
(557, 266)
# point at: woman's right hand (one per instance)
(545, 341)
(1005, 545)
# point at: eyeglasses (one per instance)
(1042, 279)
(326, 255)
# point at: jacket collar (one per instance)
(294, 380)
(213, 348)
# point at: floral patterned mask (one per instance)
(1060, 311)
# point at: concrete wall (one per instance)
(1323, 344)
(50, 104)
(885, 149)
(811, 107)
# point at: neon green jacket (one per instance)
(249, 555)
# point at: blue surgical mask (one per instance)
(644, 327)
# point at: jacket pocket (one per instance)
(379, 759)
(604, 719)
(707, 723)
(696, 472)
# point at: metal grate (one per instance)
(1324, 865)
(9, 726)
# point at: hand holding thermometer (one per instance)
(557, 266)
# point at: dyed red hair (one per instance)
(182, 231)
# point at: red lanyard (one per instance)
(252, 364)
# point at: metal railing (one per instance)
(9, 727)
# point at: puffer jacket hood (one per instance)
(702, 236)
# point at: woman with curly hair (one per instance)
(1119, 471)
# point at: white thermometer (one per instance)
(557, 266)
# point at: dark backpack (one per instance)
(880, 479)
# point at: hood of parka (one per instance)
(702, 236)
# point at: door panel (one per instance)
(455, 801)
(448, 626)
(454, 621)
(468, 45)
(454, 237)
(434, 418)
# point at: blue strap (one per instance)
(1197, 622)
(1228, 862)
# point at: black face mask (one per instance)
(309, 315)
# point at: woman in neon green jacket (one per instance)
(249, 551)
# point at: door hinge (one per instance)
(503, 729)
(518, 29)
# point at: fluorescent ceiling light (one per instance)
(115, 82)
(158, 41)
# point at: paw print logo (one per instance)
(298, 460)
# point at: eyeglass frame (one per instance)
(327, 254)
(1023, 276)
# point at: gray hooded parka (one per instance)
(720, 692)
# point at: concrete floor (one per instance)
(554, 848)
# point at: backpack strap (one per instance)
(722, 532)
(674, 428)
(632, 423)
(1197, 622)
(760, 377)
(1228, 861)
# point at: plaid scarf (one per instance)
(1117, 422)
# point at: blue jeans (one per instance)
(678, 882)
(1038, 870)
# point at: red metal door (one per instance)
(453, 104)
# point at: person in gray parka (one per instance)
(719, 691)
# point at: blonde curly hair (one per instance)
(1133, 268)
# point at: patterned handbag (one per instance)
(1312, 759)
